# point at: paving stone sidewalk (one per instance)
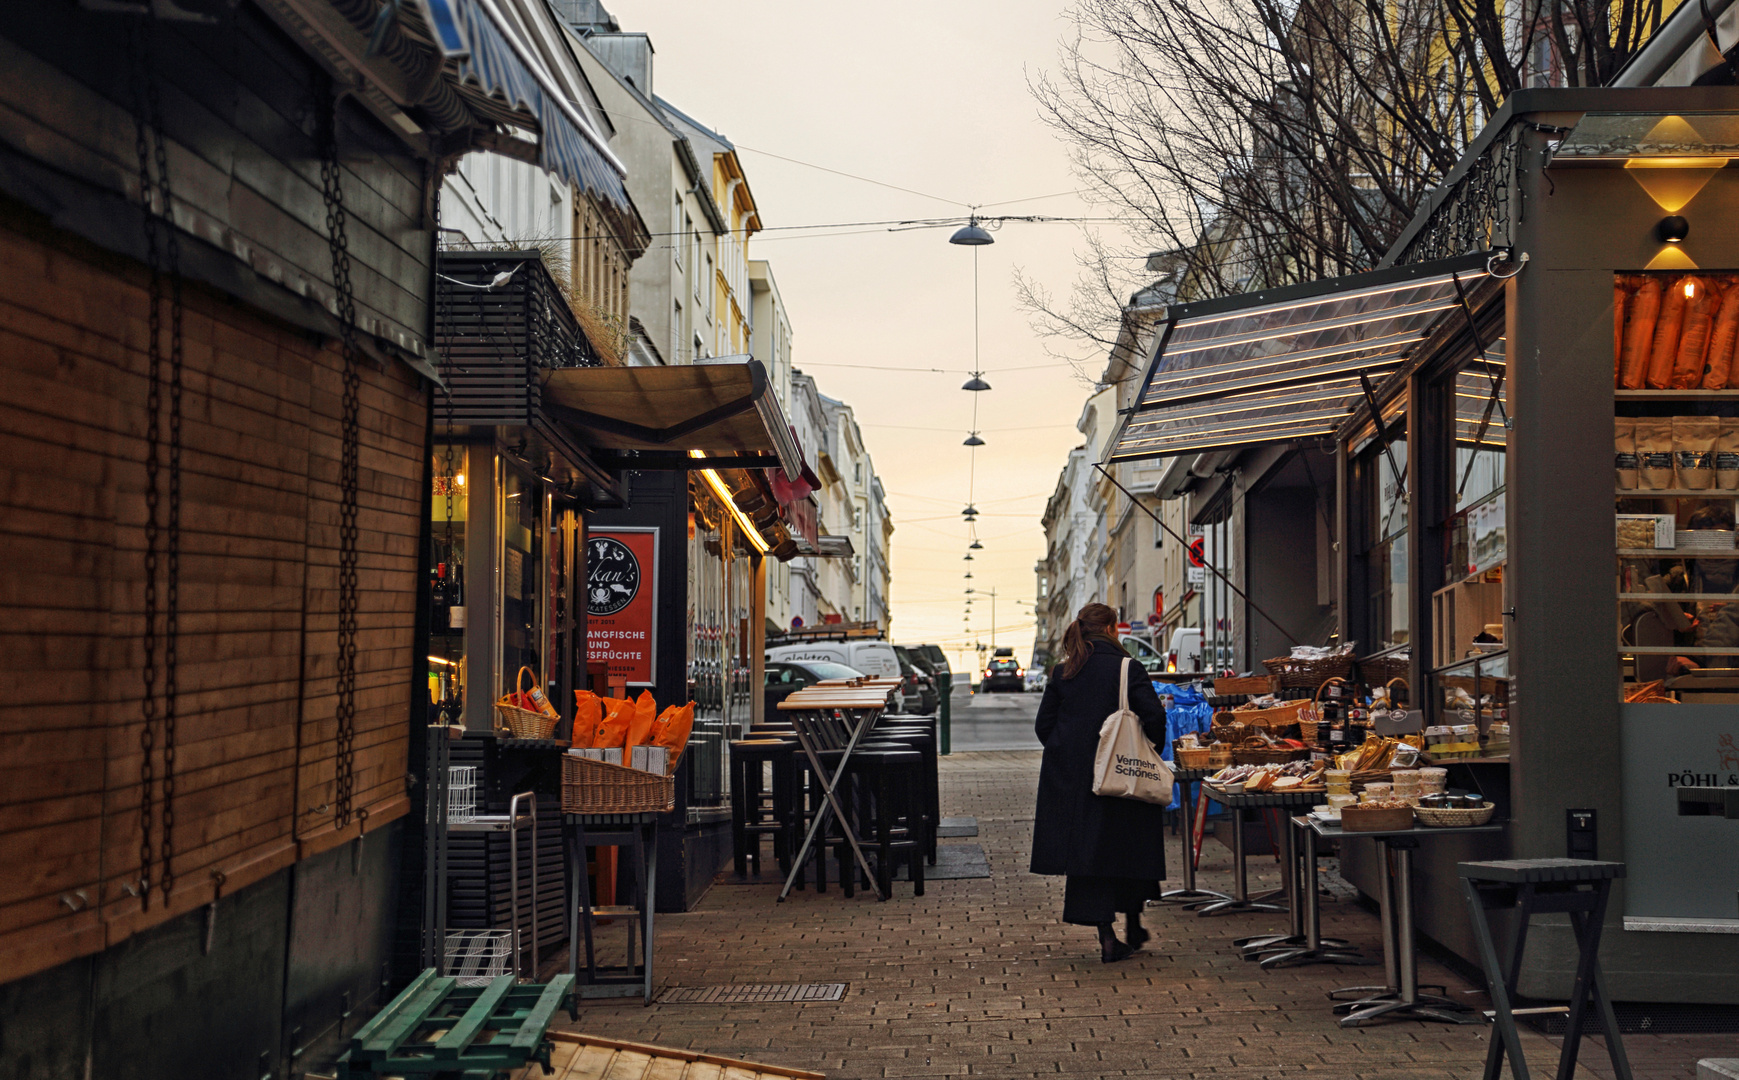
(980, 978)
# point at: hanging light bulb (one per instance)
(970, 511)
(975, 546)
(971, 235)
(973, 440)
(968, 575)
(976, 382)
(969, 558)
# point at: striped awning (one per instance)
(1284, 364)
(491, 55)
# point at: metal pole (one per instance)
(946, 682)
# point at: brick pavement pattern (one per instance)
(981, 978)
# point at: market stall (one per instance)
(1467, 386)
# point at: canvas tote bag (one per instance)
(1127, 766)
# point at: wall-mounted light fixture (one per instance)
(1673, 229)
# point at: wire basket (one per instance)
(474, 957)
(461, 794)
(598, 787)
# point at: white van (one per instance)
(876, 658)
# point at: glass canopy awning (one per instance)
(1285, 364)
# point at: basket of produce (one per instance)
(1445, 817)
(1192, 757)
(1307, 667)
(1389, 815)
(598, 787)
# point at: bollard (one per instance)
(945, 683)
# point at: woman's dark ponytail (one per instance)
(1092, 621)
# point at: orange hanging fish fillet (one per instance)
(1620, 294)
(1665, 347)
(1725, 338)
(1642, 311)
(1694, 338)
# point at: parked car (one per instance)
(870, 656)
(1145, 655)
(934, 655)
(917, 686)
(784, 679)
(1003, 672)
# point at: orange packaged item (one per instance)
(1700, 309)
(672, 728)
(1621, 289)
(1667, 329)
(1640, 315)
(588, 710)
(1718, 368)
(612, 729)
(644, 715)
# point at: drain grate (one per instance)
(746, 995)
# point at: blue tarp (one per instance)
(1189, 713)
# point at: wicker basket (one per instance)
(1198, 757)
(598, 787)
(1266, 755)
(1439, 817)
(1285, 715)
(1254, 685)
(1296, 674)
(1219, 757)
(1365, 819)
(1380, 670)
(525, 724)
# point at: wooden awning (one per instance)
(716, 414)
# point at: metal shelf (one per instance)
(1675, 553)
(1672, 395)
(1677, 493)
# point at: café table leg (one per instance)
(1315, 949)
(1254, 947)
(1189, 894)
(1391, 967)
(1406, 1003)
(1240, 900)
(828, 784)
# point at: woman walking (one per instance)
(1111, 851)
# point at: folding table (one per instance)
(834, 717)
(638, 832)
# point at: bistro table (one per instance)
(834, 716)
(1240, 803)
(1189, 894)
(1399, 998)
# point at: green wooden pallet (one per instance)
(437, 1026)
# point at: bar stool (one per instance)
(756, 809)
(889, 811)
(1577, 887)
(929, 796)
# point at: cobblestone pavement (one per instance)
(979, 978)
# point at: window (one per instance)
(1384, 536)
(857, 472)
(1158, 534)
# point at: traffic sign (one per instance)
(1198, 551)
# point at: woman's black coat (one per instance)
(1074, 830)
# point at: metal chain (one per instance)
(163, 258)
(153, 436)
(333, 191)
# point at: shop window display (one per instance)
(1385, 556)
(1676, 457)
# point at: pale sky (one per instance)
(931, 97)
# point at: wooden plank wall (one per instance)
(258, 646)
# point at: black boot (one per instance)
(1110, 949)
(1132, 931)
